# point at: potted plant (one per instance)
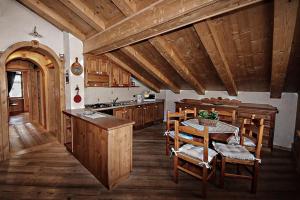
(208, 118)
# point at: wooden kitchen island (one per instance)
(103, 145)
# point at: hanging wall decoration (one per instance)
(77, 97)
(76, 68)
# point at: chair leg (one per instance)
(167, 145)
(222, 174)
(255, 177)
(175, 159)
(204, 180)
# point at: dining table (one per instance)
(220, 133)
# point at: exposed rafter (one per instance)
(167, 51)
(81, 9)
(133, 72)
(285, 15)
(210, 40)
(149, 67)
(127, 7)
(158, 18)
(51, 16)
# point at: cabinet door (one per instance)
(138, 116)
(124, 78)
(148, 113)
(115, 76)
(79, 139)
(128, 113)
(119, 113)
(160, 111)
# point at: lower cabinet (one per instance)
(142, 115)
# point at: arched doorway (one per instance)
(58, 86)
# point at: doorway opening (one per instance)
(32, 96)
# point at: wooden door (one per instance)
(128, 113)
(115, 76)
(138, 116)
(148, 113)
(79, 137)
(119, 113)
(160, 111)
(124, 78)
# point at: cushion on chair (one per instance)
(196, 152)
(233, 151)
(185, 136)
(235, 140)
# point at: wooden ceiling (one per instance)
(233, 45)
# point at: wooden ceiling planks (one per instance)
(87, 14)
(209, 39)
(139, 71)
(285, 15)
(151, 54)
(193, 54)
(292, 83)
(54, 17)
(127, 7)
(106, 10)
(170, 54)
(246, 36)
(158, 18)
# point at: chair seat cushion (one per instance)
(233, 151)
(235, 140)
(196, 152)
(183, 135)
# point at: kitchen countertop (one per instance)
(108, 122)
(128, 105)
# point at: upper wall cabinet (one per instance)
(101, 72)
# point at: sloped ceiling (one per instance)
(229, 45)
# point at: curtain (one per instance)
(10, 80)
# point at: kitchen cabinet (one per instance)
(123, 113)
(149, 113)
(158, 111)
(101, 72)
(138, 116)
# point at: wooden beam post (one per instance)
(82, 10)
(285, 15)
(159, 17)
(127, 7)
(208, 36)
(149, 67)
(167, 51)
(50, 15)
(133, 72)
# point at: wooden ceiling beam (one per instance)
(150, 68)
(159, 17)
(126, 67)
(88, 15)
(208, 36)
(285, 15)
(167, 51)
(127, 7)
(50, 15)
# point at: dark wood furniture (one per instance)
(143, 115)
(249, 127)
(102, 145)
(190, 164)
(16, 106)
(243, 110)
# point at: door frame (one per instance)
(58, 63)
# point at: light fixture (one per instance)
(35, 34)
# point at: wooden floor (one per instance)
(24, 134)
(52, 173)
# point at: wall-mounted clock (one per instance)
(76, 68)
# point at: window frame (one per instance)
(19, 73)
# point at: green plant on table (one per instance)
(203, 114)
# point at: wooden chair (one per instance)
(240, 155)
(189, 113)
(171, 117)
(226, 115)
(187, 157)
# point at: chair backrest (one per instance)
(189, 113)
(253, 128)
(171, 117)
(194, 132)
(226, 115)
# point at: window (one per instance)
(17, 90)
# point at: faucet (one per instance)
(115, 101)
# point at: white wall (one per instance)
(285, 119)
(93, 94)
(16, 22)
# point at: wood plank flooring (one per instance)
(53, 173)
(24, 134)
